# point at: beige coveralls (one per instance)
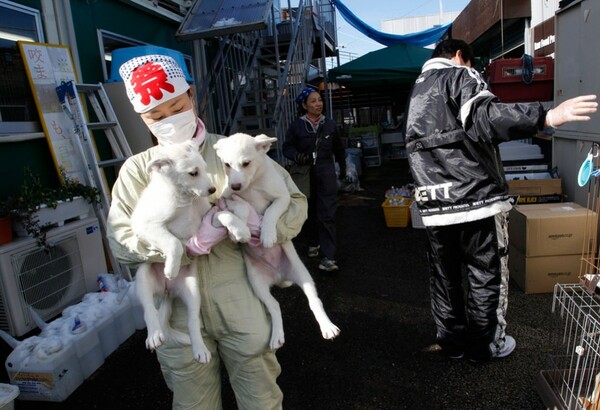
(236, 326)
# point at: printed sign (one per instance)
(48, 65)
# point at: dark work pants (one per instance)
(475, 326)
(322, 205)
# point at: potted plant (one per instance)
(37, 207)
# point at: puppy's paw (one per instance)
(277, 339)
(154, 340)
(171, 270)
(268, 238)
(202, 355)
(330, 331)
(240, 234)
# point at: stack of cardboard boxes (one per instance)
(546, 243)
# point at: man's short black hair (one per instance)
(448, 48)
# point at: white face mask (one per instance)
(176, 128)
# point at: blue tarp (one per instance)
(421, 39)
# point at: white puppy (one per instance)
(251, 175)
(168, 212)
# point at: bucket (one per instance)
(44, 369)
(8, 394)
(355, 154)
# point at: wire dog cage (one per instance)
(573, 381)
(573, 378)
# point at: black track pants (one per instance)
(470, 320)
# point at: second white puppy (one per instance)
(251, 174)
(168, 212)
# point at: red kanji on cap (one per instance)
(149, 80)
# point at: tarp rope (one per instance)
(528, 69)
(420, 39)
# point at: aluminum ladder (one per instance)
(69, 97)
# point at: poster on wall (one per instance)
(47, 66)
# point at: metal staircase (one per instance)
(253, 78)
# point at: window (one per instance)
(109, 42)
(18, 112)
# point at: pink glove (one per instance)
(207, 235)
(574, 109)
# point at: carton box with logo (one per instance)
(539, 274)
(535, 191)
(546, 242)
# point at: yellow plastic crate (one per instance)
(396, 211)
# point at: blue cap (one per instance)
(122, 55)
(301, 99)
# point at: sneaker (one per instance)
(509, 345)
(456, 356)
(313, 251)
(328, 265)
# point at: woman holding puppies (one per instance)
(236, 327)
(312, 139)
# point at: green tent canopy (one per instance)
(393, 66)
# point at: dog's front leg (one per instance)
(146, 286)
(170, 246)
(236, 227)
(268, 228)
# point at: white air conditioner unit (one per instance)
(48, 281)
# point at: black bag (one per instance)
(301, 176)
(301, 173)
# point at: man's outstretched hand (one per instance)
(574, 109)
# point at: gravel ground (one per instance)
(383, 358)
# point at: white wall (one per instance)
(415, 24)
(542, 10)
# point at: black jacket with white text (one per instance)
(453, 127)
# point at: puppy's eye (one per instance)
(227, 165)
(245, 163)
(194, 173)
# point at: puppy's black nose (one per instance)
(212, 190)
(236, 187)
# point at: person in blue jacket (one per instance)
(312, 139)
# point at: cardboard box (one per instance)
(532, 191)
(549, 229)
(539, 274)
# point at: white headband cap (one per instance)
(151, 80)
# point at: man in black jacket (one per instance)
(454, 124)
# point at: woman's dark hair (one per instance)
(448, 49)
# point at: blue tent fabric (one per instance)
(421, 39)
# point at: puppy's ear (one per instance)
(263, 142)
(159, 164)
(218, 145)
(193, 145)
